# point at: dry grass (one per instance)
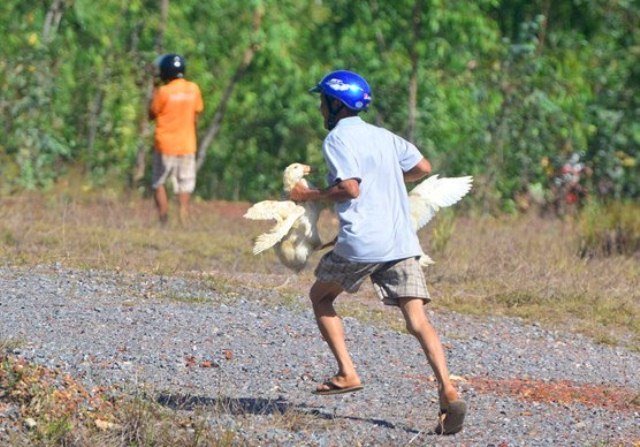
(609, 228)
(49, 408)
(518, 266)
(44, 407)
(122, 234)
(524, 266)
(529, 267)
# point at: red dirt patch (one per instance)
(560, 391)
(546, 391)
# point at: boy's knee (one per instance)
(322, 293)
(321, 299)
(416, 322)
(413, 326)
(315, 295)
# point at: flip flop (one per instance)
(451, 419)
(333, 388)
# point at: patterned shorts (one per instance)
(391, 280)
(179, 169)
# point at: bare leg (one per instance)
(162, 204)
(183, 200)
(420, 327)
(322, 297)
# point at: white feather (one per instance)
(285, 216)
(295, 235)
(434, 193)
(271, 210)
(426, 199)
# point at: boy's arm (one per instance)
(422, 169)
(345, 190)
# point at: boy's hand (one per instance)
(328, 244)
(299, 193)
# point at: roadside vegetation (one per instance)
(44, 407)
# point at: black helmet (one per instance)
(171, 66)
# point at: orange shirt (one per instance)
(174, 107)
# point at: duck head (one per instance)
(293, 174)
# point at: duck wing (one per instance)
(270, 210)
(434, 193)
(285, 213)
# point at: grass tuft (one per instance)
(49, 408)
(609, 229)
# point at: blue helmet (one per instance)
(346, 86)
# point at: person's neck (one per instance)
(345, 113)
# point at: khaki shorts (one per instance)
(391, 280)
(179, 169)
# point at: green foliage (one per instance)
(530, 123)
(506, 90)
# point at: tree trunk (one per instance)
(144, 129)
(542, 35)
(416, 26)
(162, 26)
(218, 116)
(413, 99)
(52, 20)
(95, 109)
(382, 54)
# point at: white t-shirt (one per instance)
(376, 226)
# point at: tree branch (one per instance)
(144, 128)
(213, 128)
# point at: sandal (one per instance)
(333, 388)
(451, 419)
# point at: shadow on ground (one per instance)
(260, 406)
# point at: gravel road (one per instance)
(251, 357)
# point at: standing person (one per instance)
(174, 107)
(368, 167)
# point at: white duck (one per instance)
(295, 234)
(426, 199)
